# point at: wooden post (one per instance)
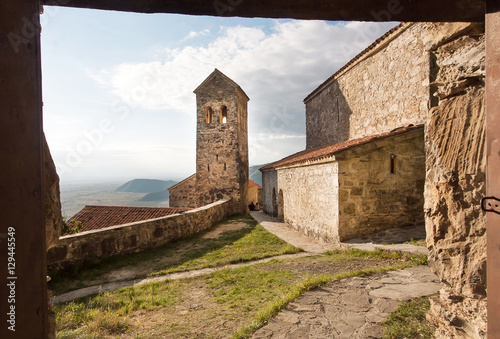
(23, 290)
(493, 161)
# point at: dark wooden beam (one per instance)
(23, 291)
(363, 10)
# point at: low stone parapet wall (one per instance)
(136, 236)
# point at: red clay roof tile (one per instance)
(321, 152)
(97, 217)
(252, 183)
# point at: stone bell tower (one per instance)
(221, 142)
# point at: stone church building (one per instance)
(362, 171)
(351, 188)
(221, 147)
(397, 137)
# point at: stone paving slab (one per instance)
(350, 308)
(290, 235)
(387, 240)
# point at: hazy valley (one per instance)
(137, 192)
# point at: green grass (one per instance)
(256, 244)
(249, 243)
(243, 299)
(106, 313)
(408, 321)
(417, 242)
(354, 253)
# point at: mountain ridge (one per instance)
(145, 185)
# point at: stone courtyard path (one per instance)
(350, 308)
(354, 307)
(388, 240)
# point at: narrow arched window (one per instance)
(223, 114)
(209, 114)
(393, 165)
(225, 166)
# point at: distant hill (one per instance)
(254, 173)
(145, 185)
(156, 196)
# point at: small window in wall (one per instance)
(209, 115)
(393, 163)
(223, 114)
(224, 166)
(208, 168)
(217, 157)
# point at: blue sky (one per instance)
(118, 87)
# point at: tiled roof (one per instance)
(390, 34)
(321, 152)
(97, 217)
(252, 183)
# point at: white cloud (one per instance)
(276, 70)
(194, 34)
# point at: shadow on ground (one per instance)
(139, 265)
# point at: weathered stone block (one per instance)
(356, 191)
(455, 183)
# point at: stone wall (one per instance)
(385, 89)
(51, 198)
(355, 192)
(378, 191)
(183, 194)
(310, 196)
(455, 181)
(52, 217)
(135, 236)
(270, 191)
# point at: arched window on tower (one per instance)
(223, 114)
(209, 114)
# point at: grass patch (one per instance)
(417, 242)
(378, 253)
(231, 302)
(256, 244)
(408, 321)
(107, 313)
(195, 252)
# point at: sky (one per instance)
(118, 87)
